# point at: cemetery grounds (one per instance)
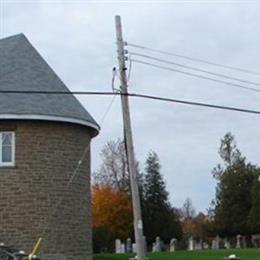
(243, 254)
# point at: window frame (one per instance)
(12, 162)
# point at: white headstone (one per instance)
(226, 244)
(118, 246)
(173, 243)
(158, 244)
(191, 244)
(122, 248)
(238, 244)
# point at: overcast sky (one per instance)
(77, 40)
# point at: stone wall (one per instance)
(47, 154)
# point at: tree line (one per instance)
(111, 200)
(234, 210)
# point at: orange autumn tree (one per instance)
(112, 214)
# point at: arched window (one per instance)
(7, 149)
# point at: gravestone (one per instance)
(198, 245)
(213, 244)
(238, 243)
(217, 242)
(173, 244)
(205, 245)
(158, 244)
(255, 239)
(129, 248)
(226, 244)
(191, 244)
(118, 246)
(122, 248)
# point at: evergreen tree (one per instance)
(159, 217)
(254, 214)
(235, 180)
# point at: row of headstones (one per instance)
(130, 247)
(158, 245)
(215, 244)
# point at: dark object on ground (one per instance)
(10, 253)
(6, 252)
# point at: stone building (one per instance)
(43, 137)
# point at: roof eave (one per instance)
(95, 127)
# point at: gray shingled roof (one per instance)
(23, 69)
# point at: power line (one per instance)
(56, 206)
(196, 75)
(193, 59)
(193, 68)
(46, 92)
(195, 103)
(107, 110)
(184, 102)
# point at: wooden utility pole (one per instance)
(138, 223)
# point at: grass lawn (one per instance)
(244, 254)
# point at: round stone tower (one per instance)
(44, 158)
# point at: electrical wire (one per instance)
(192, 103)
(192, 59)
(107, 110)
(74, 173)
(69, 182)
(196, 75)
(100, 93)
(193, 68)
(130, 69)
